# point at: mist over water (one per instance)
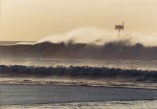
(96, 36)
(101, 36)
(83, 46)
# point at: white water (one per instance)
(101, 36)
(114, 63)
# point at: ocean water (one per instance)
(37, 96)
(109, 63)
(71, 97)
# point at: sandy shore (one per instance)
(90, 105)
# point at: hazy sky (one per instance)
(35, 19)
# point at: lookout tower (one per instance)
(119, 28)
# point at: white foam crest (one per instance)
(101, 36)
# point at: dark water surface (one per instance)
(46, 94)
(113, 63)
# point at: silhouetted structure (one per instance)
(119, 27)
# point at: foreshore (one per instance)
(143, 104)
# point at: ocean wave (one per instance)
(110, 50)
(78, 72)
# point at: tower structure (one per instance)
(119, 28)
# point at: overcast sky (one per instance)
(35, 19)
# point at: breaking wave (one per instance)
(78, 72)
(110, 50)
(85, 43)
(99, 36)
